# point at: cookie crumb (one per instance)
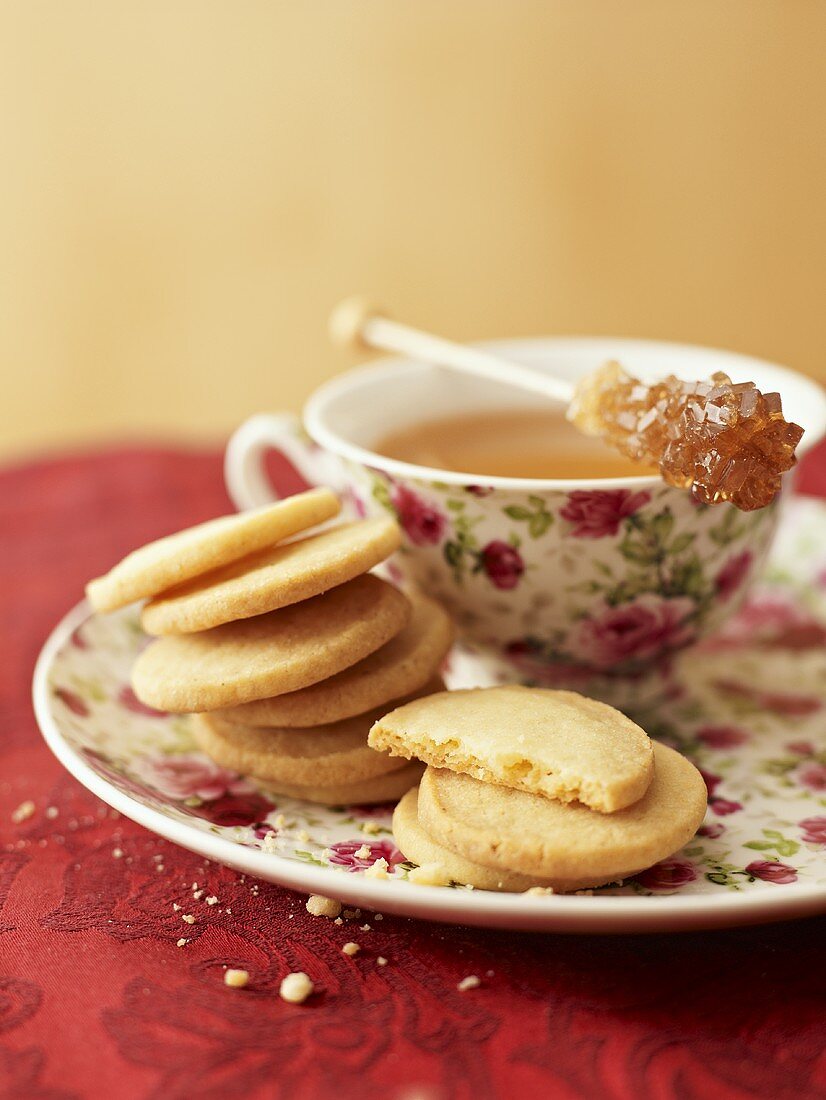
(364, 927)
(429, 874)
(182, 942)
(296, 988)
(197, 894)
(117, 853)
(379, 869)
(540, 891)
(351, 914)
(381, 961)
(338, 920)
(188, 918)
(363, 852)
(350, 949)
(378, 916)
(176, 907)
(470, 982)
(236, 979)
(319, 906)
(212, 900)
(370, 827)
(23, 812)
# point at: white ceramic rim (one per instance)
(556, 913)
(316, 423)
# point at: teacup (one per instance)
(586, 583)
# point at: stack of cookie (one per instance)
(532, 788)
(285, 652)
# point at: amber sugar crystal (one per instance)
(723, 441)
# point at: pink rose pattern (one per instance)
(813, 776)
(724, 806)
(597, 514)
(772, 871)
(127, 698)
(813, 830)
(668, 874)
(645, 627)
(423, 524)
(722, 737)
(344, 854)
(801, 748)
(190, 776)
(502, 563)
(73, 702)
(733, 574)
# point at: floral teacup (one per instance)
(587, 583)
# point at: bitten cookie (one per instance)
(401, 667)
(178, 558)
(325, 755)
(511, 830)
(274, 578)
(417, 845)
(282, 651)
(366, 792)
(552, 743)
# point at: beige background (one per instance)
(186, 188)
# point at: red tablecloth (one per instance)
(96, 1000)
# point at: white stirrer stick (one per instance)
(356, 321)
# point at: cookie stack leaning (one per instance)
(530, 787)
(282, 644)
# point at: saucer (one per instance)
(748, 707)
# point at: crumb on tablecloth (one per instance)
(320, 906)
(236, 979)
(470, 982)
(296, 988)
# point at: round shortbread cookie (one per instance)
(179, 558)
(274, 578)
(326, 755)
(417, 845)
(282, 651)
(511, 830)
(400, 668)
(553, 743)
(367, 792)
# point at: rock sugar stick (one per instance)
(723, 441)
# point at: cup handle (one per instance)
(245, 474)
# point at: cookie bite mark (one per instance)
(552, 743)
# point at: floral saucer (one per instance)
(748, 707)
